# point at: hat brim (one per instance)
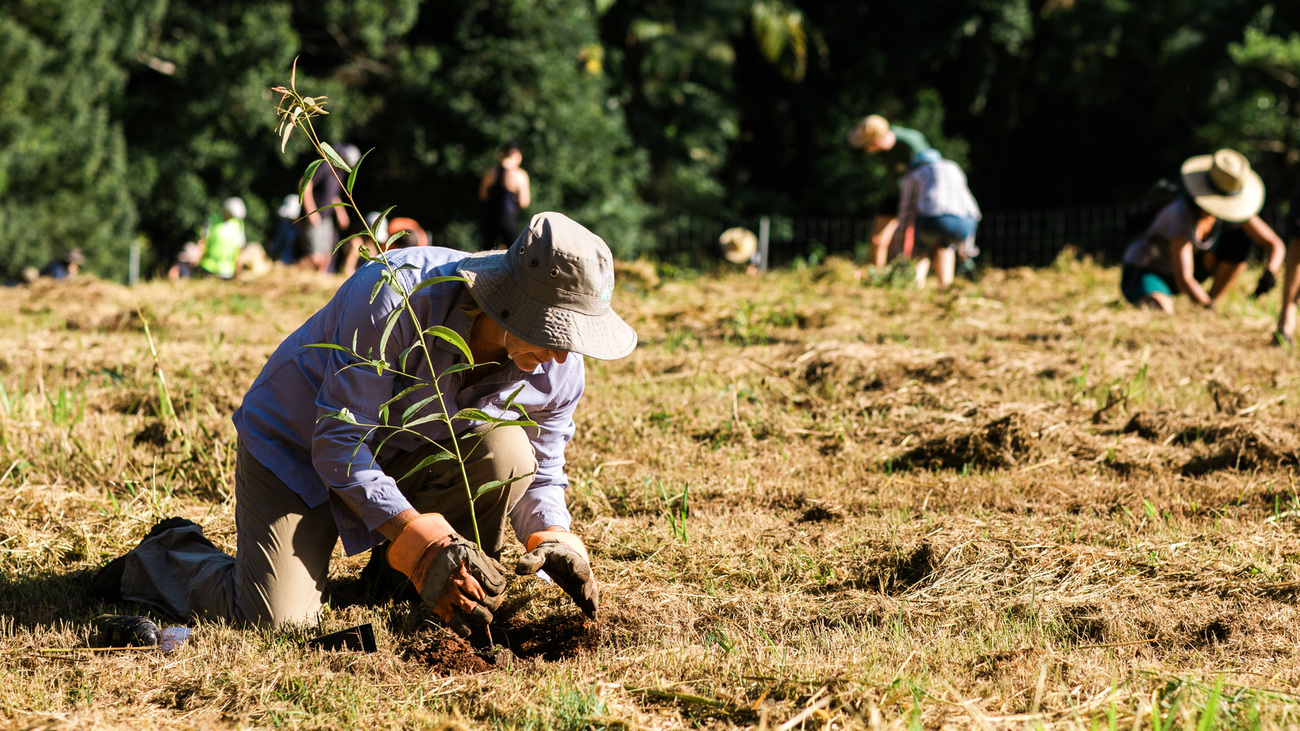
(603, 337)
(1231, 208)
(741, 252)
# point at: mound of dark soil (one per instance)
(557, 637)
(852, 367)
(899, 572)
(1247, 449)
(1003, 442)
(446, 654)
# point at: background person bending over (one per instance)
(898, 148)
(504, 190)
(1286, 319)
(1164, 259)
(938, 205)
(322, 190)
(302, 483)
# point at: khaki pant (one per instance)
(283, 547)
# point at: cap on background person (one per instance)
(76, 257)
(1224, 185)
(552, 288)
(379, 227)
(235, 207)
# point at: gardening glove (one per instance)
(462, 584)
(565, 560)
(1267, 281)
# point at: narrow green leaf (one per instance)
(341, 242)
(410, 410)
(405, 391)
(490, 486)
(311, 170)
(401, 359)
(425, 420)
(335, 159)
(456, 368)
(352, 176)
(472, 415)
(393, 317)
(453, 337)
(342, 415)
(426, 462)
(436, 280)
(332, 346)
(375, 292)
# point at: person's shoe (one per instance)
(106, 585)
(121, 630)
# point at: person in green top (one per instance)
(223, 241)
(898, 148)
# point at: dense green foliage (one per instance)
(140, 116)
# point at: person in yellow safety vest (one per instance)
(223, 241)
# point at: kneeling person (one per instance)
(304, 480)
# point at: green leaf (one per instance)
(410, 410)
(306, 177)
(393, 317)
(426, 462)
(342, 415)
(405, 391)
(425, 420)
(456, 368)
(352, 176)
(401, 359)
(375, 292)
(332, 346)
(473, 415)
(490, 486)
(451, 336)
(436, 280)
(335, 159)
(341, 242)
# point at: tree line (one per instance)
(129, 119)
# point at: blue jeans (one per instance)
(947, 230)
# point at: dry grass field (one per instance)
(813, 503)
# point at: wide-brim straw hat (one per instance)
(553, 288)
(738, 244)
(1224, 185)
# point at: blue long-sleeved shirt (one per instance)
(280, 420)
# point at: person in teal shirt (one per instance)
(899, 149)
(223, 240)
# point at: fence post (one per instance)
(133, 268)
(764, 226)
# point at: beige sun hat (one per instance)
(1224, 186)
(552, 288)
(738, 244)
(871, 128)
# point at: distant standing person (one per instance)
(223, 240)
(898, 148)
(1286, 319)
(1185, 244)
(323, 190)
(938, 207)
(504, 190)
(281, 248)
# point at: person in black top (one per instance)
(504, 190)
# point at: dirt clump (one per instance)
(1003, 442)
(557, 637)
(903, 570)
(1246, 449)
(447, 654)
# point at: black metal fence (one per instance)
(1005, 238)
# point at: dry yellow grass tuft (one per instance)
(812, 503)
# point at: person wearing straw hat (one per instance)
(304, 480)
(1183, 246)
(739, 245)
(899, 149)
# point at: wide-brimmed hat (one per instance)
(1223, 185)
(871, 128)
(552, 288)
(738, 244)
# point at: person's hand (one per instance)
(1267, 281)
(462, 584)
(564, 558)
